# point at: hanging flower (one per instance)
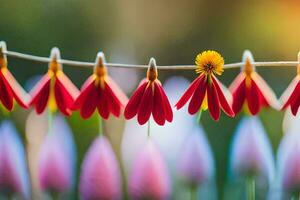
(14, 179)
(251, 152)
(100, 173)
(149, 98)
(101, 92)
(250, 89)
(55, 89)
(206, 91)
(9, 87)
(149, 178)
(57, 159)
(195, 160)
(291, 97)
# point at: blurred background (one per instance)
(174, 32)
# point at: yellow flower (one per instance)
(209, 62)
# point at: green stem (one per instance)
(100, 126)
(148, 129)
(250, 188)
(199, 116)
(193, 192)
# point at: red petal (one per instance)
(6, 95)
(238, 90)
(188, 93)
(291, 93)
(253, 98)
(223, 101)
(158, 110)
(40, 94)
(113, 102)
(117, 91)
(198, 96)
(87, 101)
(145, 107)
(213, 101)
(166, 102)
(295, 105)
(82, 97)
(18, 92)
(68, 85)
(103, 106)
(63, 98)
(132, 106)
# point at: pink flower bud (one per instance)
(100, 173)
(149, 178)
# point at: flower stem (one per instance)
(250, 188)
(193, 192)
(148, 129)
(100, 126)
(199, 116)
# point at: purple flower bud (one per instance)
(288, 162)
(14, 178)
(149, 178)
(100, 173)
(196, 164)
(58, 159)
(251, 151)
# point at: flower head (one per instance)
(149, 178)
(206, 91)
(251, 152)
(291, 97)
(9, 87)
(55, 89)
(100, 173)
(57, 159)
(101, 92)
(14, 179)
(250, 89)
(149, 98)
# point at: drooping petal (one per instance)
(40, 94)
(188, 93)
(158, 110)
(213, 101)
(253, 97)
(223, 100)
(149, 178)
(65, 93)
(14, 179)
(117, 91)
(132, 106)
(198, 96)
(291, 93)
(146, 105)
(167, 107)
(19, 94)
(295, 105)
(6, 95)
(238, 90)
(89, 99)
(114, 103)
(100, 174)
(103, 105)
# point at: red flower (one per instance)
(291, 96)
(149, 98)
(55, 89)
(101, 92)
(250, 89)
(206, 91)
(9, 87)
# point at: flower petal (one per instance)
(291, 93)
(132, 106)
(238, 90)
(40, 94)
(213, 101)
(198, 96)
(18, 92)
(188, 93)
(103, 106)
(117, 90)
(6, 95)
(167, 106)
(253, 98)
(145, 107)
(223, 101)
(89, 101)
(158, 110)
(114, 103)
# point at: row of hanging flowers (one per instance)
(56, 91)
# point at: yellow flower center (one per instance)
(209, 62)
